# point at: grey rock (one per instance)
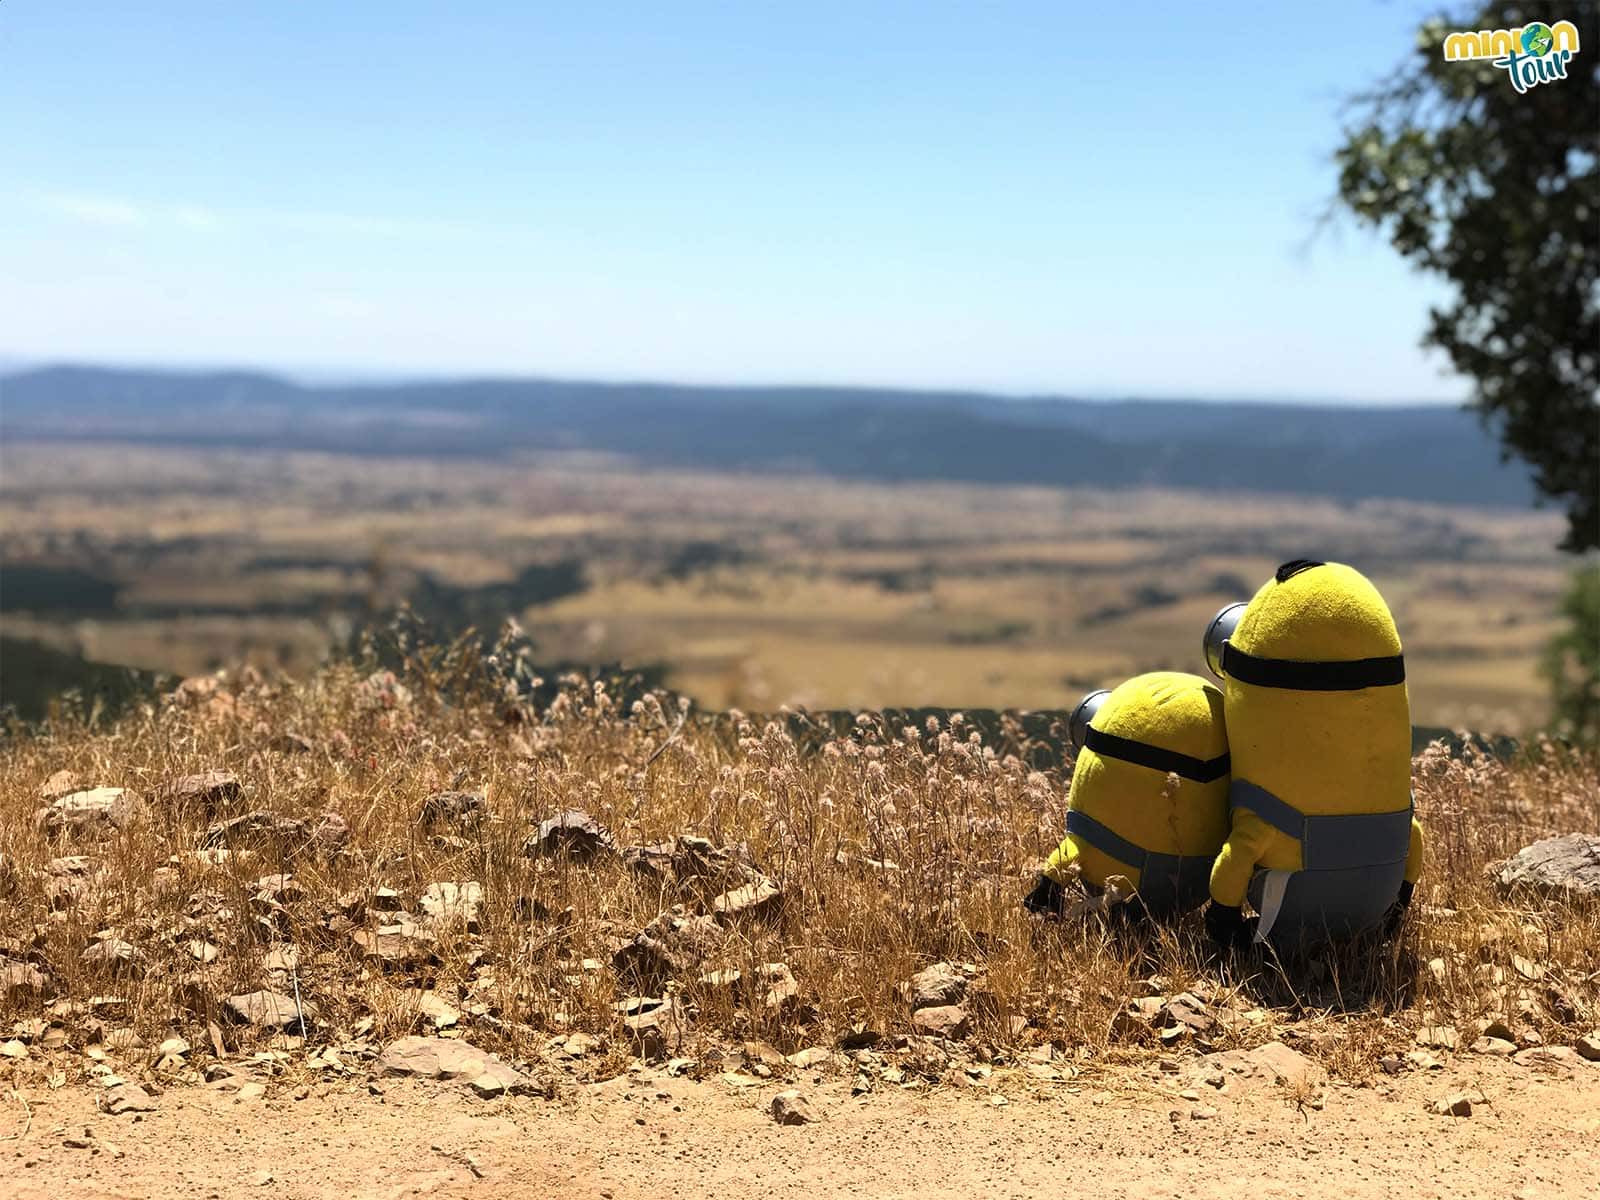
(1562, 868)
(811, 1056)
(277, 888)
(726, 981)
(758, 899)
(281, 957)
(936, 986)
(573, 833)
(436, 1009)
(1439, 1037)
(96, 812)
(111, 952)
(1498, 1029)
(259, 830)
(657, 1032)
(941, 1020)
(1496, 1047)
(1551, 1060)
(696, 858)
(402, 943)
(654, 860)
(1287, 1066)
(452, 1058)
(773, 983)
(791, 1108)
(764, 1054)
(859, 1037)
(779, 987)
(1188, 1011)
(269, 1010)
(671, 946)
(1278, 1062)
(455, 808)
(207, 790)
(489, 1085)
(129, 1098)
(1456, 1104)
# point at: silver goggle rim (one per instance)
(1078, 722)
(1219, 631)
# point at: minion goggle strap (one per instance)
(1293, 675)
(1143, 754)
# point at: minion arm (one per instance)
(1060, 860)
(1247, 842)
(1417, 852)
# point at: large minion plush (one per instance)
(1322, 838)
(1124, 816)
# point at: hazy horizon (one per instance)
(355, 376)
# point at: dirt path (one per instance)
(1130, 1134)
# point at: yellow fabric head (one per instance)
(1325, 613)
(1324, 752)
(1171, 711)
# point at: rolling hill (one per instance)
(1428, 453)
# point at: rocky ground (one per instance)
(1263, 1121)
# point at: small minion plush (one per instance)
(1322, 836)
(1124, 816)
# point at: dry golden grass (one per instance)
(894, 849)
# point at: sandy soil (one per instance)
(1131, 1133)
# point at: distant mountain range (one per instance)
(1432, 453)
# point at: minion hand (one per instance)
(1397, 911)
(1227, 927)
(1048, 899)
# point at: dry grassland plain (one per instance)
(753, 591)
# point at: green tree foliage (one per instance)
(1572, 661)
(1498, 191)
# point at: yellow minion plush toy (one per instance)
(1322, 837)
(1123, 818)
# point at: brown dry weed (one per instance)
(894, 848)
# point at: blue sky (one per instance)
(1017, 197)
